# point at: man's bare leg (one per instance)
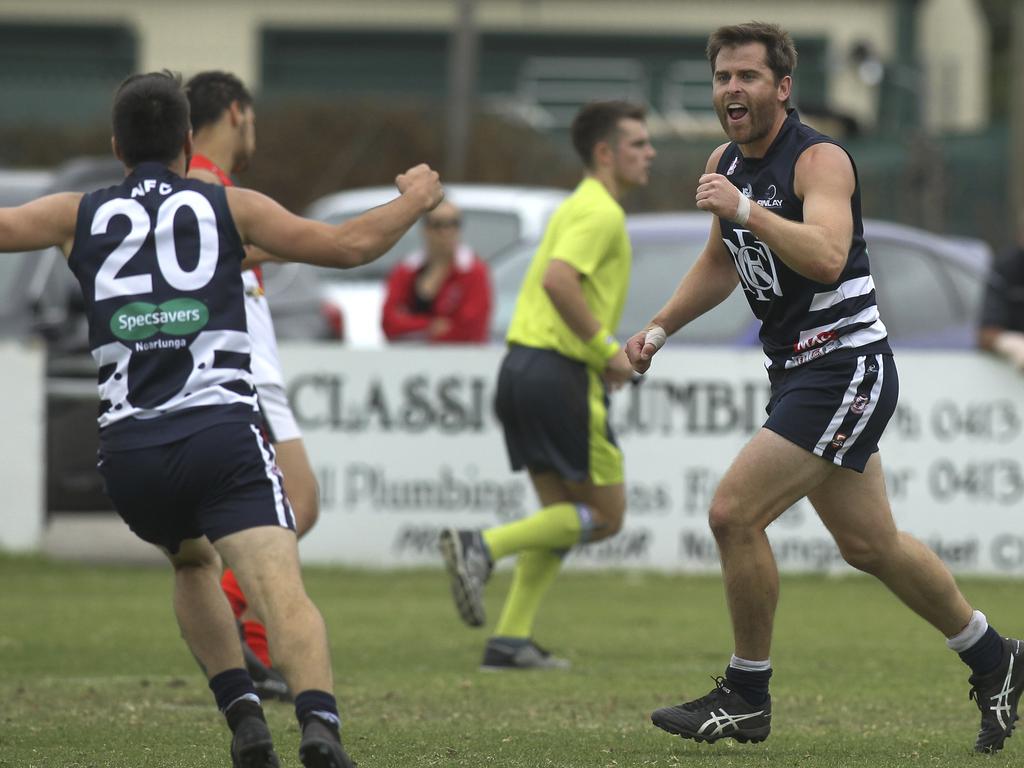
(204, 615)
(768, 476)
(855, 509)
(266, 562)
(208, 627)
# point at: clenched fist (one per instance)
(716, 194)
(423, 183)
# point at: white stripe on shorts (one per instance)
(865, 417)
(283, 509)
(840, 414)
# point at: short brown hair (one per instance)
(599, 121)
(212, 92)
(150, 118)
(780, 53)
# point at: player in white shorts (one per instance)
(223, 124)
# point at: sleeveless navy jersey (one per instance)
(159, 262)
(801, 320)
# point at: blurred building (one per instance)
(873, 64)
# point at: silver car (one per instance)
(929, 287)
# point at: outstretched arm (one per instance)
(41, 223)
(263, 222)
(254, 256)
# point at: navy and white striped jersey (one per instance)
(159, 262)
(801, 320)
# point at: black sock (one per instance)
(231, 685)
(986, 654)
(317, 704)
(751, 685)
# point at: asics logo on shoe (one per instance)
(1001, 701)
(719, 725)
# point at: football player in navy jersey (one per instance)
(787, 229)
(158, 258)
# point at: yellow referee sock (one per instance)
(554, 527)
(536, 570)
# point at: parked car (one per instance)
(19, 185)
(494, 218)
(929, 287)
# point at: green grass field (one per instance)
(94, 675)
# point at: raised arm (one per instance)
(264, 223)
(41, 223)
(816, 247)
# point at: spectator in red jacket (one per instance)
(441, 293)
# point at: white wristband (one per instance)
(742, 210)
(655, 335)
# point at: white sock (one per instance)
(750, 666)
(244, 697)
(969, 635)
(328, 717)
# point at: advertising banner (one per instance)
(404, 442)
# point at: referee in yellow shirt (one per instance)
(552, 389)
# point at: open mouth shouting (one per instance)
(735, 111)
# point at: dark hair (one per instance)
(599, 121)
(150, 118)
(780, 53)
(212, 92)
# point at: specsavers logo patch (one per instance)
(140, 319)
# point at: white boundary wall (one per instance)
(404, 442)
(22, 390)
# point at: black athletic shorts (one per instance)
(835, 408)
(554, 411)
(215, 482)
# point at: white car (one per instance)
(494, 219)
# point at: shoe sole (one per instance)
(258, 755)
(513, 668)
(753, 736)
(996, 746)
(467, 602)
(991, 749)
(319, 754)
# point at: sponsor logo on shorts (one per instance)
(815, 353)
(814, 341)
(177, 317)
(860, 402)
(838, 440)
